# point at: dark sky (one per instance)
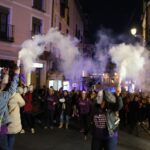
(118, 15)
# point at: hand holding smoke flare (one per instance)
(31, 50)
(18, 62)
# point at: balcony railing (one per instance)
(7, 32)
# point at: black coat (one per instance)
(67, 108)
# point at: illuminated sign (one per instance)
(37, 65)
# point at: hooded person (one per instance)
(105, 121)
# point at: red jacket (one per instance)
(28, 102)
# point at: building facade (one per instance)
(21, 20)
(146, 22)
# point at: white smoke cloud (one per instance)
(32, 49)
(104, 42)
(130, 60)
(65, 45)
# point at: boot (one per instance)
(60, 126)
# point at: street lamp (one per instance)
(133, 31)
(138, 37)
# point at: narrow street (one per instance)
(61, 139)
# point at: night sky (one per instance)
(118, 15)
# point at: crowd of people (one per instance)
(136, 112)
(99, 112)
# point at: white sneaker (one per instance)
(32, 131)
(85, 138)
(22, 131)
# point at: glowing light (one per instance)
(74, 84)
(66, 85)
(37, 65)
(83, 73)
(33, 37)
(133, 31)
(115, 74)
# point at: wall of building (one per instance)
(20, 16)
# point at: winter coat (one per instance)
(52, 102)
(112, 113)
(65, 106)
(112, 119)
(4, 98)
(14, 105)
(28, 102)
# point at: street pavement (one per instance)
(71, 139)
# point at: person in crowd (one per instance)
(84, 105)
(123, 113)
(106, 120)
(148, 112)
(29, 119)
(93, 96)
(51, 106)
(20, 90)
(5, 78)
(134, 114)
(5, 96)
(65, 109)
(75, 94)
(142, 111)
(14, 127)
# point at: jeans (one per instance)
(63, 117)
(3, 142)
(104, 144)
(11, 141)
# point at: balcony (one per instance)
(7, 32)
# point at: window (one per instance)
(6, 30)
(38, 4)
(36, 26)
(62, 8)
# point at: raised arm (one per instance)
(13, 86)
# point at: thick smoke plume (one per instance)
(103, 44)
(129, 59)
(129, 55)
(32, 49)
